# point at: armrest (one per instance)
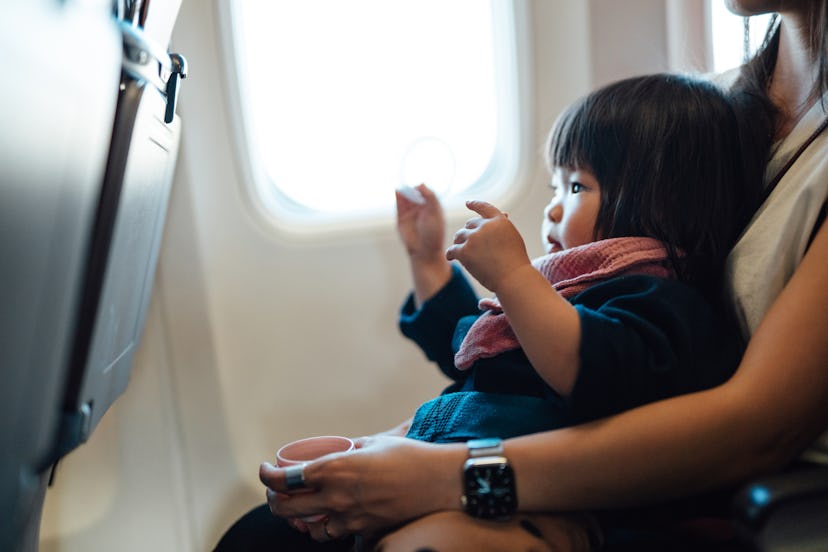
(786, 511)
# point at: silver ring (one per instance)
(295, 477)
(325, 527)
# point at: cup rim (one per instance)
(340, 438)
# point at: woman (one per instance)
(759, 421)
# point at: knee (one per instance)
(455, 532)
(432, 533)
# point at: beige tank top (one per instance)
(775, 241)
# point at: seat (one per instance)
(127, 234)
(89, 143)
(785, 512)
(788, 511)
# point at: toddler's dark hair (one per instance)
(666, 150)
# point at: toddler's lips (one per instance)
(553, 246)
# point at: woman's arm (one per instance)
(758, 421)
(772, 408)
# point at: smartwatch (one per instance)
(488, 481)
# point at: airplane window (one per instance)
(342, 102)
(727, 31)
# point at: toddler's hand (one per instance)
(489, 246)
(420, 222)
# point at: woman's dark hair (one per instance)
(756, 73)
(667, 152)
(750, 91)
(818, 31)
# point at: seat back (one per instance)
(126, 239)
(86, 164)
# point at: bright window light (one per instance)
(342, 102)
(728, 35)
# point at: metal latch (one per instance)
(178, 72)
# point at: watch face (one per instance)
(489, 489)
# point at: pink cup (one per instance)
(307, 450)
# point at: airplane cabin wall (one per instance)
(254, 339)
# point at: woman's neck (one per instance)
(792, 85)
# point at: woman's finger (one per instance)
(325, 530)
(332, 529)
(361, 442)
(298, 502)
(298, 524)
(274, 478)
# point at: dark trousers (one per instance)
(259, 530)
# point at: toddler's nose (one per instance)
(554, 211)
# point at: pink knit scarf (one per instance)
(570, 272)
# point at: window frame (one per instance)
(502, 181)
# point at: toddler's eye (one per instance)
(576, 187)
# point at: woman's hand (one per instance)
(489, 246)
(386, 481)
